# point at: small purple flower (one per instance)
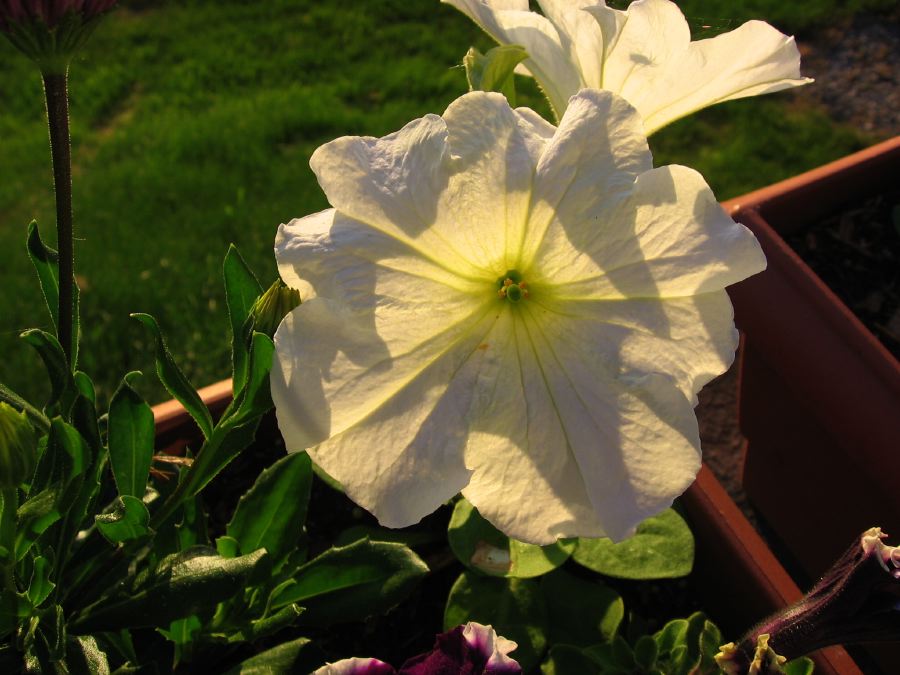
(472, 649)
(858, 600)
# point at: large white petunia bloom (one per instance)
(516, 311)
(643, 54)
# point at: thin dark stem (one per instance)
(58, 117)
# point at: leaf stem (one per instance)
(55, 88)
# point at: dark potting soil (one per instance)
(857, 253)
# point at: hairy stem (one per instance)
(55, 89)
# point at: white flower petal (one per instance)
(548, 60)
(665, 76)
(597, 152)
(644, 54)
(356, 666)
(484, 208)
(525, 479)
(633, 436)
(381, 316)
(493, 647)
(668, 237)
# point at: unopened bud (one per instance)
(272, 306)
(18, 447)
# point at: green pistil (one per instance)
(511, 286)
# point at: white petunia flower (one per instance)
(516, 311)
(643, 54)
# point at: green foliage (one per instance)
(296, 656)
(514, 607)
(484, 548)
(128, 520)
(662, 548)
(582, 612)
(270, 515)
(351, 582)
(131, 433)
(241, 290)
(494, 71)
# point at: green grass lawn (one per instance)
(193, 123)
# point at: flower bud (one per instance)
(18, 447)
(51, 31)
(272, 306)
(857, 601)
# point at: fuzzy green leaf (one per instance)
(297, 656)
(241, 290)
(481, 546)
(62, 387)
(272, 513)
(188, 583)
(581, 612)
(494, 71)
(662, 548)
(174, 380)
(129, 520)
(131, 437)
(352, 582)
(514, 607)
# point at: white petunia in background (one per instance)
(519, 312)
(644, 54)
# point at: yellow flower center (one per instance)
(512, 287)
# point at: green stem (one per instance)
(55, 88)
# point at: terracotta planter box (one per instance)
(736, 577)
(819, 394)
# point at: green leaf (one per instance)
(84, 656)
(34, 517)
(801, 666)
(662, 548)
(405, 536)
(494, 70)
(184, 584)
(39, 419)
(64, 458)
(352, 582)
(482, 547)
(273, 623)
(567, 660)
(218, 453)
(40, 586)
(46, 264)
(129, 520)
(174, 380)
(645, 652)
(581, 612)
(514, 607)
(241, 290)
(255, 399)
(272, 513)
(710, 641)
(679, 645)
(131, 437)
(297, 656)
(62, 387)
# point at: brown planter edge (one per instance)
(739, 578)
(819, 392)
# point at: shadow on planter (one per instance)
(819, 394)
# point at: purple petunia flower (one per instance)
(472, 649)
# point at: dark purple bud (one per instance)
(50, 31)
(857, 601)
(472, 649)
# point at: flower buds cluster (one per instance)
(51, 31)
